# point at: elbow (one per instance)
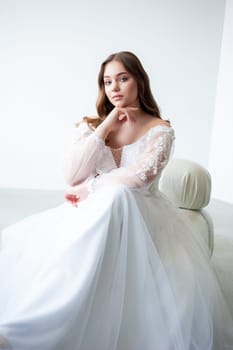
(70, 177)
(71, 180)
(71, 174)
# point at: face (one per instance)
(120, 86)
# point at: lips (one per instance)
(116, 97)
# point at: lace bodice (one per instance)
(116, 153)
(136, 165)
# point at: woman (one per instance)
(119, 269)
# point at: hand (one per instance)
(116, 118)
(75, 194)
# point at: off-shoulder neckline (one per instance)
(158, 126)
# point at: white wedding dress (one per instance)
(122, 271)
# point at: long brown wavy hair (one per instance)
(134, 67)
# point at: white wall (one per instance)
(50, 52)
(221, 155)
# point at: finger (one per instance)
(127, 112)
(72, 198)
(122, 116)
(75, 201)
(127, 116)
(69, 196)
(130, 117)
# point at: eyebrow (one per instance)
(107, 76)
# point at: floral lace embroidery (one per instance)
(156, 158)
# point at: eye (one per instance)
(107, 82)
(123, 79)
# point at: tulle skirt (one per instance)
(123, 271)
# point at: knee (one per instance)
(115, 193)
(119, 189)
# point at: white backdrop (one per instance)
(50, 53)
(221, 155)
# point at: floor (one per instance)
(222, 215)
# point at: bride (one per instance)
(116, 267)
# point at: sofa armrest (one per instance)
(186, 183)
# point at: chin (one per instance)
(121, 104)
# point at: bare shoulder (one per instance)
(154, 121)
(150, 122)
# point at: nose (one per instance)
(115, 85)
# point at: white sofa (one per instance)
(188, 186)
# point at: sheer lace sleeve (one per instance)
(150, 163)
(85, 153)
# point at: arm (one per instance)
(153, 159)
(86, 150)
